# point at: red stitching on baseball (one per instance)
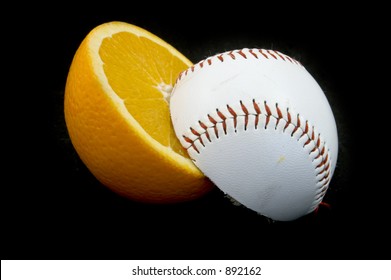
(318, 156)
(289, 120)
(261, 51)
(188, 140)
(323, 190)
(221, 115)
(320, 164)
(273, 55)
(205, 129)
(254, 54)
(306, 128)
(279, 114)
(234, 115)
(324, 164)
(246, 114)
(323, 150)
(280, 55)
(268, 54)
(267, 109)
(326, 176)
(290, 59)
(298, 124)
(244, 109)
(214, 124)
(327, 166)
(268, 114)
(194, 132)
(242, 54)
(258, 112)
(323, 171)
(256, 107)
(307, 142)
(212, 120)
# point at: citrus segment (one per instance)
(153, 115)
(117, 114)
(146, 97)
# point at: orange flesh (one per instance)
(148, 106)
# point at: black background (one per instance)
(53, 207)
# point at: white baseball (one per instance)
(260, 127)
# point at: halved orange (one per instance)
(117, 115)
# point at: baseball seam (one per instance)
(238, 54)
(301, 130)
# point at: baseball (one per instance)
(259, 126)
